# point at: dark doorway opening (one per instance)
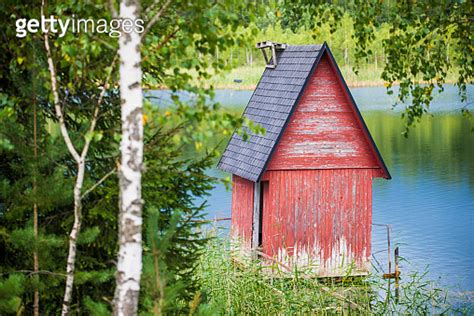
(263, 192)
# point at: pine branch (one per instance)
(31, 272)
(113, 10)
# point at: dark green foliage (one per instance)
(95, 308)
(19, 169)
(11, 291)
(173, 238)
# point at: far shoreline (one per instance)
(362, 84)
(251, 87)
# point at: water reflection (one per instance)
(430, 200)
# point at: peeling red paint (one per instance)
(323, 132)
(242, 209)
(314, 210)
(317, 206)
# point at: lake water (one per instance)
(430, 200)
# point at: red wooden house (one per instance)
(302, 192)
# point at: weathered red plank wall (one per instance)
(323, 131)
(319, 206)
(319, 218)
(242, 209)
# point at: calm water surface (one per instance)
(430, 200)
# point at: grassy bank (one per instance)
(250, 75)
(230, 289)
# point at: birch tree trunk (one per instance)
(80, 163)
(76, 227)
(129, 263)
(73, 235)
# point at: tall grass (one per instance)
(233, 289)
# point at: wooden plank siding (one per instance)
(319, 203)
(316, 180)
(323, 132)
(242, 210)
(319, 219)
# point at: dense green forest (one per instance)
(64, 144)
(249, 62)
(245, 62)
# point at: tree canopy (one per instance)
(421, 36)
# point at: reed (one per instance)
(231, 288)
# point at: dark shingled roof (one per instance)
(270, 106)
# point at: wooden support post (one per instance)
(267, 61)
(274, 57)
(389, 251)
(397, 276)
(394, 275)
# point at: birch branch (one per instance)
(57, 105)
(92, 188)
(167, 39)
(80, 160)
(97, 108)
(151, 7)
(112, 9)
(155, 19)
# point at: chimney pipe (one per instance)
(272, 47)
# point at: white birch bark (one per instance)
(76, 227)
(80, 162)
(129, 262)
